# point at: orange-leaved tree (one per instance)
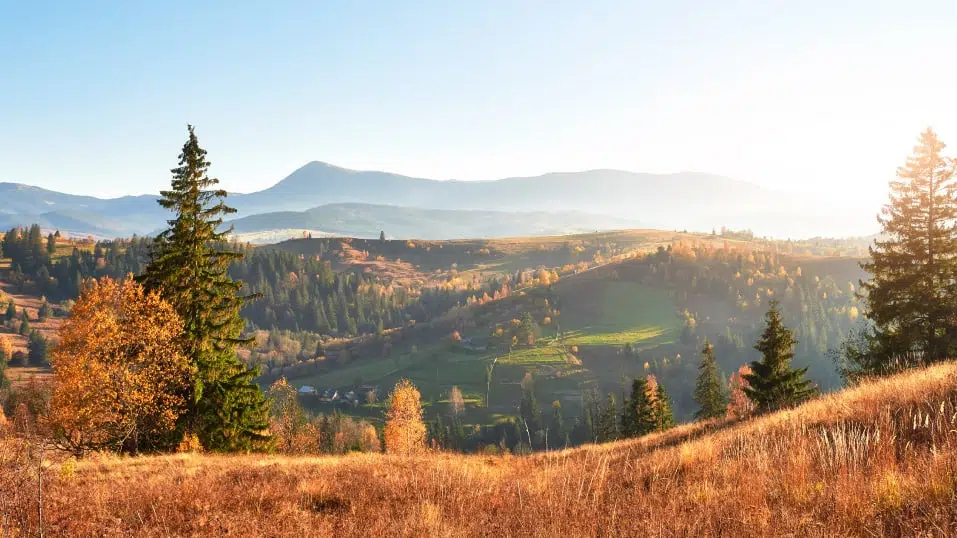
(404, 429)
(739, 405)
(118, 372)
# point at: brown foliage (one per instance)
(119, 376)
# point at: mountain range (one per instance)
(324, 198)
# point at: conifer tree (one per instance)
(773, 383)
(709, 392)
(608, 421)
(664, 417)
(188, 267)
(638, 415)
(912, 295)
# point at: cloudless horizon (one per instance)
(803, 97)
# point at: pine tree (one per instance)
(608, 421)
(773, 383)
(664, 417)
(709, 392)
(638, 415)
(912, 296)
(37, 349)
(557, 428)
(11, 310)
(188, 267)
(529, 409)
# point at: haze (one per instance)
(808, 97)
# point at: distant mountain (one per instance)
(686, 200)
(368, 220)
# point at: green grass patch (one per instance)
(533, 355)
(619, 313)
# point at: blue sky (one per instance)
(801, 96)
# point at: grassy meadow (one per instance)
(876, 460)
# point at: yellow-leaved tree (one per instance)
(291, 429)
(404, 429)
(119, 376)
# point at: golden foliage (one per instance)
(6, 348)
(404, 429)
(119, 375)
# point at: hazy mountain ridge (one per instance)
(367, 220)
(684, 200)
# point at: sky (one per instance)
(820, 98)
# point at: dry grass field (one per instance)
(877, 460)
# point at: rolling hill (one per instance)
(685, 200)
(875, 460)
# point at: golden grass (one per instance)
(880, 459)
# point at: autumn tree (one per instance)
(292, 431)
(369, 440)
(773, 383)
(912, 294)
(119, 374)
(456, 401)
(739, 405)
(188, 267)
(404, 429)
(709, 393)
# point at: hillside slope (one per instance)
(879, 459)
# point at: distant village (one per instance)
(363, 394)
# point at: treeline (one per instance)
(294, 292)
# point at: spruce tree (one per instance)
(773, 383)
(638, 416)
(912, 295)
(608, 421)
(664, 417)
(709, 392)
(188, 267)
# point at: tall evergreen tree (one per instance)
(664, 417)
(709, 392)
(638, 415)
(188, 267)
(912, 295)
(773, 383)
(608, 421)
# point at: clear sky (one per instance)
(816, 96)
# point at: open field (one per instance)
(31, 303)
(607, 312)
(879, 460)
